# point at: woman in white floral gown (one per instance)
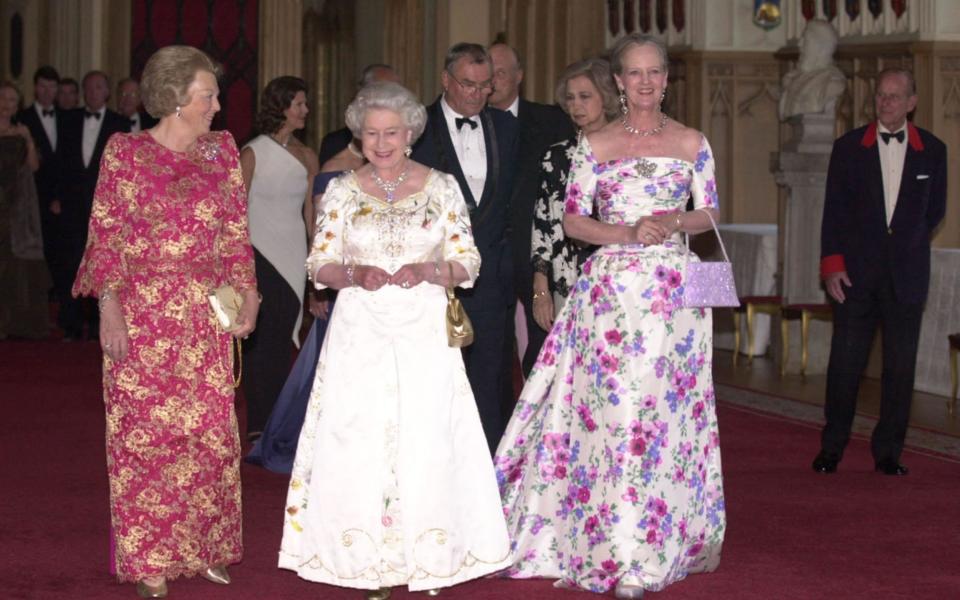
(392, 482)
(609, 470)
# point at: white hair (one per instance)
(388, 96)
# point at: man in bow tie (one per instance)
(128, 105)
(45, 123)
(85, 134)
(477, 145)
(886, 194)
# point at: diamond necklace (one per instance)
(389, 187)
(645, 132)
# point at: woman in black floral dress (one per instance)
(586, 91)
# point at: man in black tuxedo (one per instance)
(886, 193)
(45, 123)
(477, 145)
(129, 106)
(335, 141)
(85, 134)
(68, 94)
(540, 125)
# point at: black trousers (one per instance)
(66, 253)
(854, 324)
(486, 366)
(267, 353)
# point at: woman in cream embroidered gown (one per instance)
(610, 466)
(392, 483)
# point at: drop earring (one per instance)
(408, 151)
(623, 103)
(179, 113)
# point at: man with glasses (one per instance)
(477, 145)
(886, 195)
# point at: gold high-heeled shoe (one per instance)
(145, 590)
(216, 575)
(381, 594)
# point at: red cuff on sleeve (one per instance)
(832, 264)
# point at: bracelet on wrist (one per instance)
(540, 294)
(679, 225)
(103, 297)
(436, 271)
(350, 272)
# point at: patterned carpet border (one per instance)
(918, 440)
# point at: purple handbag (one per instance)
(707, 284)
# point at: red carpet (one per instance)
(792, 533)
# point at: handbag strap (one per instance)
(715, 230)
(449, 288)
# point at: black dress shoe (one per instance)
(888, 466)
(825, 463)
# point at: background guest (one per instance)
(277, 171)
(173, 453)
(23, 273)
(339, 140)
(540, 125)
(398, 452)
(84, 136)
(886, 194)
(68, 94)
(618, 415)
(45, 122)
(277, 447)
(587, 93)
(477, 146)
(128, 105)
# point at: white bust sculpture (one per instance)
(815, 83)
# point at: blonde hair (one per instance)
(597, 71)
(168, 74)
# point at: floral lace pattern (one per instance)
(167, 228)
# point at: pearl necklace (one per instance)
(283, 144)
(645, 132)
(389, 187)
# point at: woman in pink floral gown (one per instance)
(610, 467)
(169, 225)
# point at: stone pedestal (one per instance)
(801, 168)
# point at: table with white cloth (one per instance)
(752, 248)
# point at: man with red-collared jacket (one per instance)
(886, 193)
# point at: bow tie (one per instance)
(134, 121)
(95, 115)
(886, 136)
(461, 121)
(47, 112)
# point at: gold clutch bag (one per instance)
(459, 327)
(226, 303)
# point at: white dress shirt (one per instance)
(892, 157)
(91, 131)
(514, 109)
(49, 123)
(471, 149)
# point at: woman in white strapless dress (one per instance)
(277, 171)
